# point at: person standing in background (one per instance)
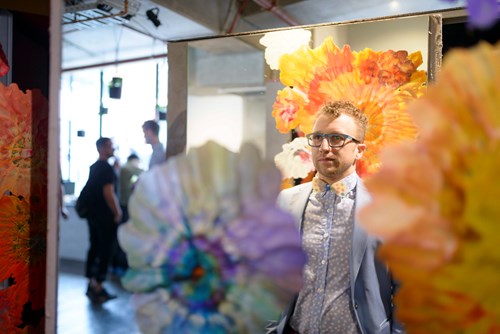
(104, 216)
(151, 131)
(128, 176)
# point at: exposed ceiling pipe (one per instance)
(278, 11)
(123, 12)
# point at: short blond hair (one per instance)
(334, 109)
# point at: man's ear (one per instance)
(360, 150)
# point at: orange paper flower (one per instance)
(23, 208)
(23, 265)
(379, 83)
(436, 201)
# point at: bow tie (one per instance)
(339, 187)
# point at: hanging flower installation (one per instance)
(209, 251)
(380, 83)
(436, 201)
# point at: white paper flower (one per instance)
(295, 160)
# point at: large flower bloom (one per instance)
(379, 83)
(23, 207)
(436, 201)
(209, 251)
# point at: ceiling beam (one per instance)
(217, 16)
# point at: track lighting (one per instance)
(152, 15)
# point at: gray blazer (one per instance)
(371, 284)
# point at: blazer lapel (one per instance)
(359, 238)
(298, 203)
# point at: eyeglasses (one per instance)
(335, 140)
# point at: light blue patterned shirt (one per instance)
(324, 303)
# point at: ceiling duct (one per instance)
(83, 14)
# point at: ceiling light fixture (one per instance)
(152, 15)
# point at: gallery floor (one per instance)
(77, 315)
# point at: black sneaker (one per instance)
(104, 296)
(91, 294)
(99, 297)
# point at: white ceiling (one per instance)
(182, 19)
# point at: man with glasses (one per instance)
(346, 289)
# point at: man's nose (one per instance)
(325, 146)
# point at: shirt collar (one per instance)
(341, 188)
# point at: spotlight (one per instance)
(115, 88)
(152, 15)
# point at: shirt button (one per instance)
(356, 306)
(323, 262)
(325, 235)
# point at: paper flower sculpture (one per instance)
(23, 207)
(295, 160)
(435, 201)
(209, 251)
(379, 83)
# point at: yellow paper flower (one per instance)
(436, 201)
(380, 83)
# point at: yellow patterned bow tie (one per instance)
(339, 187)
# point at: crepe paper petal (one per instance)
(483, 13)
(295, 160)
(24, 120)
(23, 259)
(208, 249)
(435, 201)
(380, 83)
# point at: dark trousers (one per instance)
(119, 258)
(102, 238)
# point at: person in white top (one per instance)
(151, 131)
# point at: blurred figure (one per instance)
(128, 176)
(151, 131)
(104, 216)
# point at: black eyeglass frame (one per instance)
(328, 136)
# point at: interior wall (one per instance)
(409, 33)
(218, 118)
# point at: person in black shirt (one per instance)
(103, 219)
